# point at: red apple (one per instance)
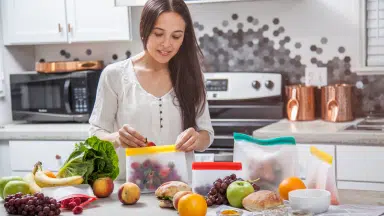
(129, 193)
(103, 187)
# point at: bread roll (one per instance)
(165, 204)
(169, 189)
(262, 200)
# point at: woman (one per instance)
(157, 95)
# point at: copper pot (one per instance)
(336, 103)
(301, 102)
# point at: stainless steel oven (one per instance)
(241, 102)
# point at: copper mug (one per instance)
(301, 102)
(336, 103)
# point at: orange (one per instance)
(192, 205)
(49, 174)
(290, 184)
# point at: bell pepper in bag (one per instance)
(320, 173)
(269, 160)
(76, 202)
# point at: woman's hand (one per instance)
(187, 140)
(128, 137)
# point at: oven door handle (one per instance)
(67, 103)
(223, 137)
(221, 154)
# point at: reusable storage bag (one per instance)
(320, 173)
(204, 174)
(269, 160)
(149, 167)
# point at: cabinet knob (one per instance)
(58, 157)
(59, 25)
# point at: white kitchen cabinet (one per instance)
(34, 22)
(52, 154)
(5, 162)
(90, 20)
(64, 21)
(305, 154)
(360, 163)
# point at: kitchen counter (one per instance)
(54, 131)
(321, 132)
(306, 132)
(148, 204)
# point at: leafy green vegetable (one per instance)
(91, 159)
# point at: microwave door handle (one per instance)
(67, 104)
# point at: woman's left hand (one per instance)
(187, 140)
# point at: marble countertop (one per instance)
(56, 131)
(321, 132)
(148, 204)
(308, 132)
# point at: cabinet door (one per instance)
(34, 22)
(305, 154)
(360, 163)
(131, 2)
(52, 154)
(90, 20)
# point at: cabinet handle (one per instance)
(58, 157)
(59, 27)
(69, 27)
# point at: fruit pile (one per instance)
(38, 204)
(218, 192)
(150, 174)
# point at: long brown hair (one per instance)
(186, 66)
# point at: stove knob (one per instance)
(269, 84)
(256, 84)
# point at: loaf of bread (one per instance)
(262, 200)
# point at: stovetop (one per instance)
(373, 122)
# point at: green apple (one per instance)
(237, 191)
(5, 180)
(14, 187)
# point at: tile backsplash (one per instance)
(282, 36)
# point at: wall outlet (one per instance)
(316, 76)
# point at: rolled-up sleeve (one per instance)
(104, 112)
(203, 122)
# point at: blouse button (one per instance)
(161, 119)
(161, 126)
(161, 112)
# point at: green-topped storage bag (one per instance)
(268, 160)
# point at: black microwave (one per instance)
(55, 97)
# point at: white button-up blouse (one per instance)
(121, 100)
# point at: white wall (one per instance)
(15, 59)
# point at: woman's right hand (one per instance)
(128, 137)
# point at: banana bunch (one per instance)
(38, 179)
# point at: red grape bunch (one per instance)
(36, 204)
(218, 193)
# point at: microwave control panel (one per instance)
(80, 102)
(79, 96)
